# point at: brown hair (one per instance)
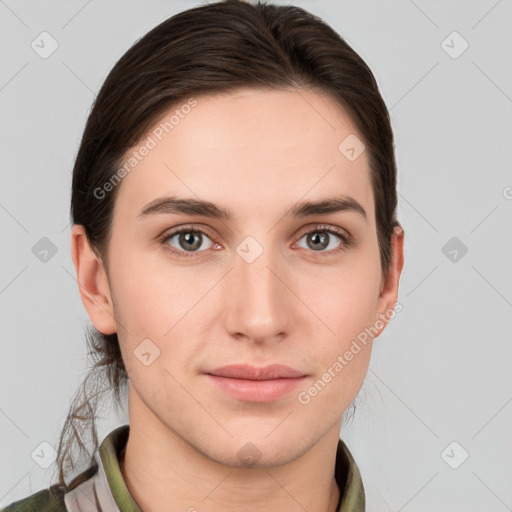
(217, 47)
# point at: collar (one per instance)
(106, 491)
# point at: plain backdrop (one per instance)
(438, 389)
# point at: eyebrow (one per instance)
(191, 206)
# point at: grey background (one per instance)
(440, 372)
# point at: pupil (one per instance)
(321, 238)
(188, 238)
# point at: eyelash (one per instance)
(345, 238)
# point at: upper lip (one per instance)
(245, 371)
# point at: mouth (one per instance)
(256, 384)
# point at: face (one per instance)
(192, 292)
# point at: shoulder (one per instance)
(46, 500)
(51, 499)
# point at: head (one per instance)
(249, 113)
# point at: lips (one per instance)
(248, 383)
(244, 371)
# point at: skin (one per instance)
(256, 153)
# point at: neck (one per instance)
(171, 473)
(273, 499)
(261, 495)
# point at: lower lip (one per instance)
(256, 390)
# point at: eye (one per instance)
(323, 239)
(186, 242)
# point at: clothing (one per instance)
(101, 487)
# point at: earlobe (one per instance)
(92, 282)
(389, 290)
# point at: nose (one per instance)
(260, 303)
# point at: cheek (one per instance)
(149, 292)
(345, 303)
(352, 308)
(344, 298)
(161, 302)
(343, 346)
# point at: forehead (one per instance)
(248, 148)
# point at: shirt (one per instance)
(101, 487)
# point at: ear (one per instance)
(92, 282)
(389, 287)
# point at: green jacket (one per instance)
(101, 487)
